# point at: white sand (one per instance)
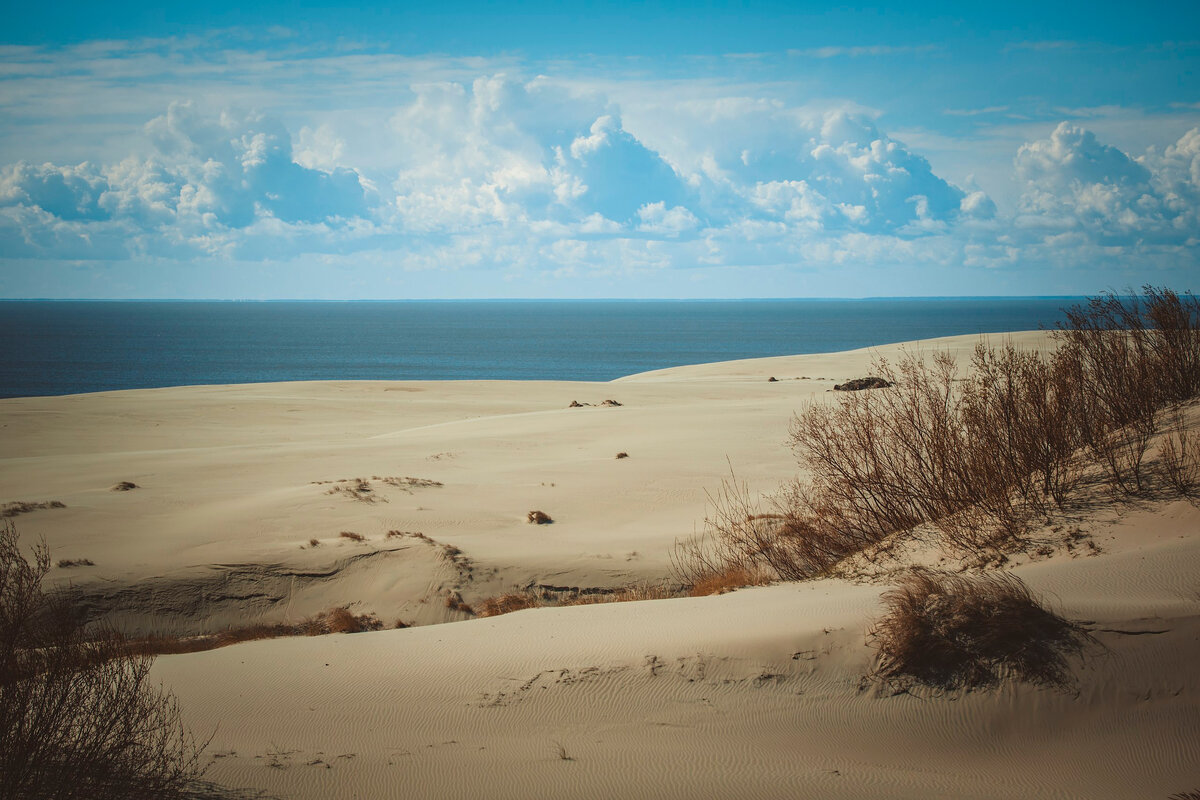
(751, 694)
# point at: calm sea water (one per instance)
(66, 347)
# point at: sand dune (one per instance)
(757, 693)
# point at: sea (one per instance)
(50, 347)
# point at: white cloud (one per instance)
(1073, 182)
(657, 218)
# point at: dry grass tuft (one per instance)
(352, 536)
(66, 563)
(336, 620)
(733, 577)
(408, 534)
(507, 603)
(314, 542)
(538, 518)
(124, 486)
(622, 454)
(341, 620)
(628, 594)
(952, 632)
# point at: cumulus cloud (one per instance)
(657, 218)
(501, 151)
(211, 176)
(1072, 182)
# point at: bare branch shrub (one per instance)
(1179, 456)
(983, 457)
(79, 717)
(958, 632)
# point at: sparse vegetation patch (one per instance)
(24, 507)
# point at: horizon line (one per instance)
(526, 299)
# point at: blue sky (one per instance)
(302, 150)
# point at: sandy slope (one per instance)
(752, 694)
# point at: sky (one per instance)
(642, 150)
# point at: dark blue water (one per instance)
(65, 347)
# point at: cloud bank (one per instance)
(540, 176)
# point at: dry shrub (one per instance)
(538, 518)
(314, 542)
(124, 486)
(67, 563)
(1179, 457)
(352, 536)
(507, 603)
(622, 454)
(951, 632)
(79, 716)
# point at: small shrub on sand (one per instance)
(352, 536)
(66, 563)
(622, 454)
(124, 486)
(538, 518)
(314, 542)
(951, 632)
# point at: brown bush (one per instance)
(79, 716)
(538, 518)
(66, 563)
(352, 536)
(958, 632)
